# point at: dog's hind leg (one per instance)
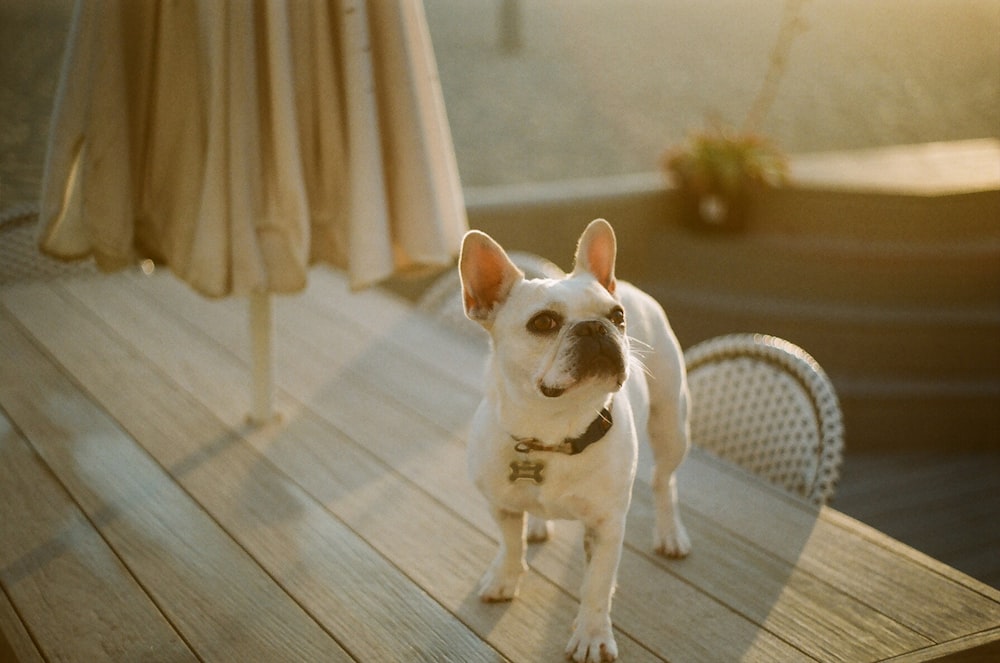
(667, 428)
(668, 438)
(670, 538)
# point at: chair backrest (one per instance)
(766, 405)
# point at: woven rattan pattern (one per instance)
(765, 404)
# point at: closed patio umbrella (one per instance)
(240, 142)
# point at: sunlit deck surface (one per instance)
(143, 519)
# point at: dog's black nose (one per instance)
(590, 328)
(596, 350)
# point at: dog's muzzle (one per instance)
(597, 351)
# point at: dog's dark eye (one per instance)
(545, 322)
(617, 317)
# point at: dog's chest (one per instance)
(534, 482)
(549, 484)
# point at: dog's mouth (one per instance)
(555, 392)
(594, 353)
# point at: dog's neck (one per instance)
(571, 446)
(550, 421)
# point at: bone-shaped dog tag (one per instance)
(526, 470)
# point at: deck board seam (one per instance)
(932, 565)
(166, 378)
(362, 382)
(643, 552)
(25, 626)
(921, 559)
(327, 423)
(447, 433)
(430, 421)
(92, 520)
(71, 300)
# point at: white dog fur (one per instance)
(544, 389)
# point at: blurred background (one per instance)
(602, 88)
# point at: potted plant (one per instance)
(716, 173)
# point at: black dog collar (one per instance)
(571, 445)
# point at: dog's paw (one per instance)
(497, 589)
(538, 529)
(592, 642)
(672, 541)
(500, 582)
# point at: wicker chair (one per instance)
(766, 405)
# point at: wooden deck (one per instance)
(142, 519)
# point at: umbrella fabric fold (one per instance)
(239, 142)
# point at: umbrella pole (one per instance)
(261, 330)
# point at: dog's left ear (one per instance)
(595, 253)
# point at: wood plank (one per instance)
(53, 562)
(927, 597)
(321, 298)
(445, 556)
(446, 344)
(866, 621)
(392, 321)
(220, 601)
(335, 575)
(815, 617)
(223, 329)
(448, 469)
(345, 402)
(975, 648)
(521, 637)
(928, 619)
(15, 643)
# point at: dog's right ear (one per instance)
(487, 276)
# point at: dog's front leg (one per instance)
(501, 580)
(593, 639)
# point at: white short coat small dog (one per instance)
(580, 368)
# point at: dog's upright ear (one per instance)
(595, 253)
(487, 275)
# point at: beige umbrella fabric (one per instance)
(239, 142)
